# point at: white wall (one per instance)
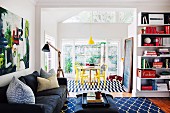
(116, 32)
(25, 9)
(98, 31)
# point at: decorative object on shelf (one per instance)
(144, 20)
(98, 94)
(147, 40)
(156, 60)
(142, 31)
(47, 49)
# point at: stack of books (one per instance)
(163, 52)
(150, 53)
(91, 98)
(162, 87)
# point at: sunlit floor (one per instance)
(114, 94)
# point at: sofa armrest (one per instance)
(21, 108)
(62, 81)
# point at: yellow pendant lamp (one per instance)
(91, 41)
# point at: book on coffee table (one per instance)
(88, 102)
(91, 94)
(92, 99)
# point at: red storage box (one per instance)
(146, 73)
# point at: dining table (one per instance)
(90, 68)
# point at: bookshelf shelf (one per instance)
(146, 25)
(153, 91)
(156, 35)
(154, 42)
(154, 46)
(154, 78)
(155, 68)
(155, 56)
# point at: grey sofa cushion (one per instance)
(3, 98)
(56, 91)
(49, 102)
(31, 81)
(44, 74)
(18, 92)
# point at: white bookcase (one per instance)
(155, 25)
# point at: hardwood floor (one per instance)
(163, 103)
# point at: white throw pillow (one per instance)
(18, 92)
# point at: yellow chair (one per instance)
(76, 73)
(83, 75)
(80, 74)
(101, 73)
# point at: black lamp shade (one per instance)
(46, 48)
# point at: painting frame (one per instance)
(14, 42)
(128, 65)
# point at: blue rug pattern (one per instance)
(111, 86)
(124, 105)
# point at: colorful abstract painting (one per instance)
(14, 42)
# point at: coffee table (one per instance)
(80, 108)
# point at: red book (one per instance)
(148, 44)
(167, 29)
(146, 87)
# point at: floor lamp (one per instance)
(47, 49)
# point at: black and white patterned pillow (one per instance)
(18, 92)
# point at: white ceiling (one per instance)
(99, 2)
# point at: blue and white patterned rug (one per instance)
(124, 105)
(111, 86)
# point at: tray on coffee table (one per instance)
(86, 104)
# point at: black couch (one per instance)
(48, 101)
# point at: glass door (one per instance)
(68, 55)
(79, 52)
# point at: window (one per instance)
(123, 15)
(50, 62)
(79, 52)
